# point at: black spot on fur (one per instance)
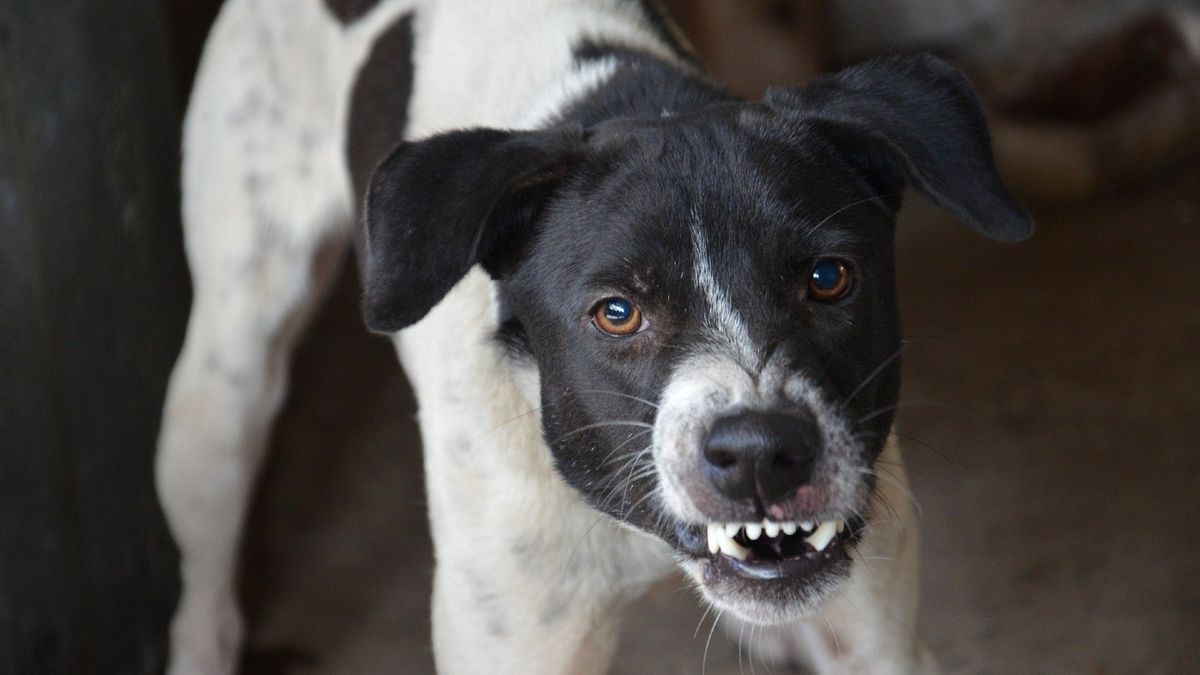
(487, 601)
(379, 102)
(349, 11)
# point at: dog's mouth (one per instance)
(773, 550)
(770, 550)
(769, 572)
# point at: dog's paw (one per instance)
(206, 637)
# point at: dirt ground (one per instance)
(1054, 393)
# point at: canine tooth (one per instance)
(772, 529)
(732, 529)
(731, 548)
(788, 528)
(824, 534)
(753, 530)
(714, 543)
(806, 525)
(841, 526)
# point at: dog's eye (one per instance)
(830, 280)
(617, 316)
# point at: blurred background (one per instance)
(1052, 420)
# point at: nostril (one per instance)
(721, 459)
(784, 461)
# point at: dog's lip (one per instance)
(777, 570)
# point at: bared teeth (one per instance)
(825, 533)
(753, 530)
(721, 535)
(718, 540)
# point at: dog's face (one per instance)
(708, 299)
(713, 315)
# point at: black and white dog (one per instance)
(646, 323)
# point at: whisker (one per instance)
(932, 449)
(861, 616)
(611, 423)
(887, 476)
(741, 631)
(886, 362)
(638, 503)
(833, 633)
(852, 204)
(704, 663)
(514, 419)
(618, 393)
(886, 503)
(645, 472)
(567, 565)
(609, 457)
(707, 608)
(916, 472)
(750, 650)
(919, 402)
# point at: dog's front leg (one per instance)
(870, 626)
(513, 601)
(529, 579)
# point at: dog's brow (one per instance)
(725, 321)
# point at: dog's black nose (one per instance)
(768, 455)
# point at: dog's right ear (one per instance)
(435, 208)
(912, 120)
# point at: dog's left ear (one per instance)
(435, 208)
(912, 119)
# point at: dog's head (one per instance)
(708, 298)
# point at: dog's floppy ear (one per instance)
(912, 119)
(434, 208)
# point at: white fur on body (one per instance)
(529, 579)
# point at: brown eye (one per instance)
(830, 280)
(617, 316)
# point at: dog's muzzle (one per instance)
(766, 484)
(765, 460)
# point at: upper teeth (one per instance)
(720, 535)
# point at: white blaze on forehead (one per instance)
(725, 322)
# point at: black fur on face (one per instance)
(624, 226)
(710, 221)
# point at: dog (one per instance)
(648, 325)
